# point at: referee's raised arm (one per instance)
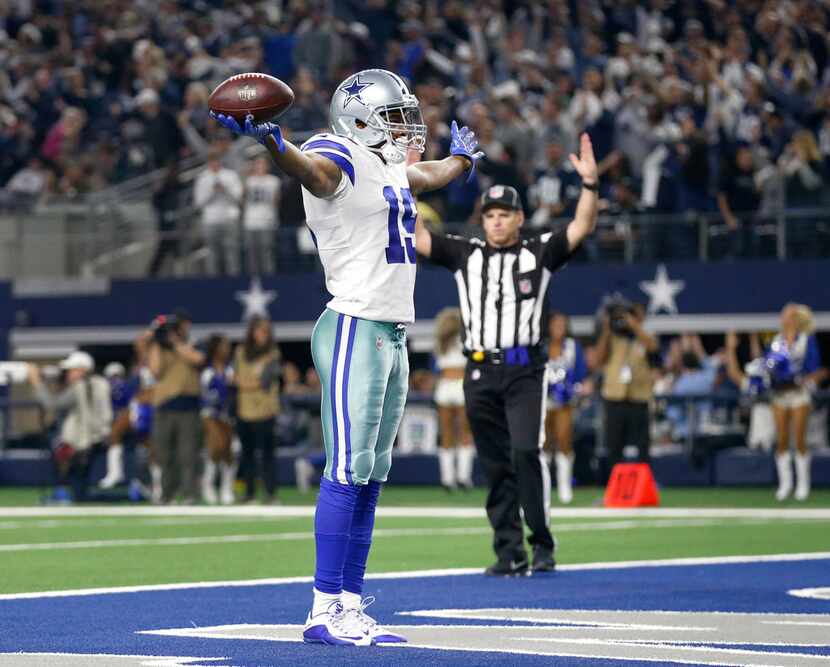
(585, 218)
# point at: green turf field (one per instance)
(59, 551)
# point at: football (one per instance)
(262, 95)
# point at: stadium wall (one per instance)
(693, 296)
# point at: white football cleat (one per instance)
(370, 626)
(335, 627)
(115, 468)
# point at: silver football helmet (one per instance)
(376, 108)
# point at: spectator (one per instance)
(27, 187)
(292, 381)
(64, 138)
(802, 167)
(166, 202)
(161, 131)
(216, 419)
(217, 195)
(257, 369)
(697, 376)
(85, 415)
(738, 200)
(309, 111)
(193, 118)
(177, 430)
(623, 350)
(261, 217)
(556, 189)
(804, 175)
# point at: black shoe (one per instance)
(543, 561)
(507, 568)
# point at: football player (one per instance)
(359, 198)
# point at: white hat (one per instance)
(147, 96)
(114, 368)
(78, 359)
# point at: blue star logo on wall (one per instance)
(354, 89)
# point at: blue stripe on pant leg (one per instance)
(347, 425)
(333, 398)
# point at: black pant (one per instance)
(164, 248)
(626, 423)
(257, 435)
(504, 408)
(177, 439)
(76, 472)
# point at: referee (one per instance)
(502, 285)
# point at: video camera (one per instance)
(616, 307)
(161, 327)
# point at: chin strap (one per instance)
(392, 153)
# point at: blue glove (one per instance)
(260, 131)
(464, 143)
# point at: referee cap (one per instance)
(501, 195)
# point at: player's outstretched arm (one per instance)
(435, 174)
(318, 175)
(585, 218)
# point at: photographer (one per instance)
(177, 429)
(85, 414)
(624, 350)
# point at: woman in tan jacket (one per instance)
(256, 372)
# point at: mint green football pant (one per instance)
(364, 373)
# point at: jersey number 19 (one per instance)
(395, 253)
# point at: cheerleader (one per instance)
(455, 457)
(794, 366)
(141, 411)
(565, 370)
(216, 418)
(122, 391)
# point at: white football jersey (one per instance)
(365, 233)
(260, 196)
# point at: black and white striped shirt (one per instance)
(502, 291)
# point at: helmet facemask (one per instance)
(403, 127)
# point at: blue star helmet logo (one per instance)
(354, 89)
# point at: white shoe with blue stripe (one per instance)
(335, 627)
(370, 626)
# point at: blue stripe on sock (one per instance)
(341, 162)
(333, 397)
(346, 422)
(326, 143)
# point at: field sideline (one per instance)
(45, 548)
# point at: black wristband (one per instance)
(593, 187)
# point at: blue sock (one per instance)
(332, 527)
(360, 537)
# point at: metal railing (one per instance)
(119, 239)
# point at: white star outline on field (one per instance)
(255, 300)
(662, 291)
(354, 89)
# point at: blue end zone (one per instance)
(109, 623)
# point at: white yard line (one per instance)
(294, 511)
(411, 574)
(97, 522)
(380, 532)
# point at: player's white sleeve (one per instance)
(335, 149)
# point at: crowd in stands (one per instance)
(703, 106)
